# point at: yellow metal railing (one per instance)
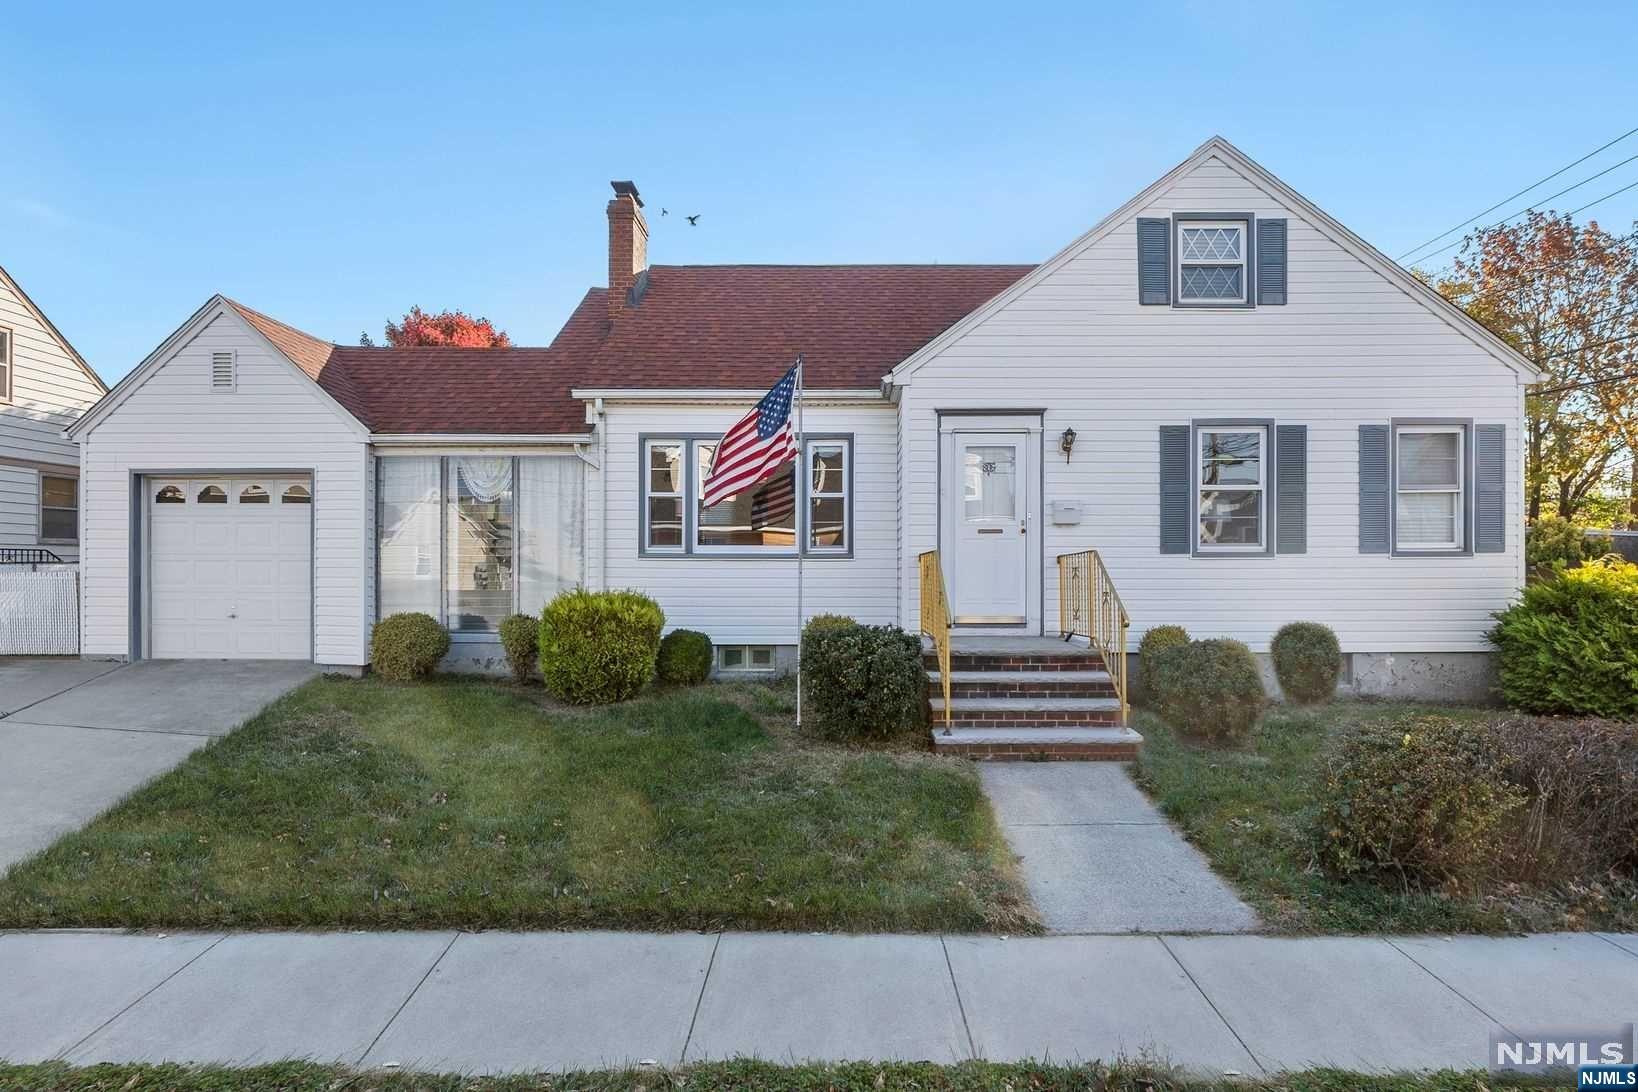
(1089, 606)
(935, 620)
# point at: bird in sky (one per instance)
(665, 212)
(694, 220)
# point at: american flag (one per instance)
(775, 501)
(756, 447)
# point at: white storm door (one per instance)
(988, 500)
(230, 568)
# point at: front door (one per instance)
(988, 503)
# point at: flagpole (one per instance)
(801, 525)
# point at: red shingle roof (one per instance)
(732, 326)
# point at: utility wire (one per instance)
(1606, 197)
(1521, 193)
(1587, 383)
(1543, 201)
(1617, 239)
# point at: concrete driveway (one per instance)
(77, 736)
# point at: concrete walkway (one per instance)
(79, 735)
(507, 1002)
(1099, 858)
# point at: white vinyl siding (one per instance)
(741, 599)
(275, 420)
(44, 391)
(1350, 347)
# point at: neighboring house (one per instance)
(44, 387)
(1271, 422)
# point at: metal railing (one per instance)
(28, 555)
(1089, 606)
(935, 620)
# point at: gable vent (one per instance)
(222, 375)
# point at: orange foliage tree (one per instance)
(455, 329)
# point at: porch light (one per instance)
(1066, 443)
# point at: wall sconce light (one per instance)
(1066, 443)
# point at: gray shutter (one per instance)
(1291, 489)
(1490, 488)
(1175, 509)
(1270, 263)
(1373, 489)
(1154, 260)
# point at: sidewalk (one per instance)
(498, 1002)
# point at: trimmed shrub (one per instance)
(1551, 544)
(685, 658)
(1570, 645)
(1210, 689)
(599, 647)
(1422, 797)
(1581, 781)
(827, 621)
(862, 682)
(407, 646)
(520, 637)
(1307, 661)
(1156, 641)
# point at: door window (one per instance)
(990, 481)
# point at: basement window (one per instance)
(754, 658)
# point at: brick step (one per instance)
(1026, 711)
(1077, 660)
(1039, 745)
(1040, 684)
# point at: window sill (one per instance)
(59, 542)
(743, 555)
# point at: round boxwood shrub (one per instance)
(1570, 644)
(1155, 642)
(862, 682)
(407, 646)
(1210, 689)
(599, 647)
(1552, 543)
(520, 637)
(1422, 798)
(685, 658)
(1307, 661)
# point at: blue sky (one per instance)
(334, 164)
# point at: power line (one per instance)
(1588, 383)
(1606, 197)
(1616, 239)
(1521, 193)
(1543, 201)
(1585, 345)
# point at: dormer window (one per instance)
(1211, 262)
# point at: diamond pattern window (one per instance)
(1211, 261)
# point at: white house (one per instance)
(44, 386)
(1250, 414)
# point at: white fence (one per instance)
(39, 610)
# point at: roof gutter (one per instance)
(724, 394)
(390, 439)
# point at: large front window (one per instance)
(768, 519)
(1233, 488)
(470, 539)
(1429, 472)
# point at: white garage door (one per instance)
(230, 568)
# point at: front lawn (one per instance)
(1251, 810)
(470, 803)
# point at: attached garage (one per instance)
(229, 565)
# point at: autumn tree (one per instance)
(456, 329)
(1566, 297)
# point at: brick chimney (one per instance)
(628, 244)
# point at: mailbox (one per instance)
(1066, 512)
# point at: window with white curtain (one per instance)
(1430, 472)
(470, 539)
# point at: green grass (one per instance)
(1251, 810)
(736, 1076)
(470, 803)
